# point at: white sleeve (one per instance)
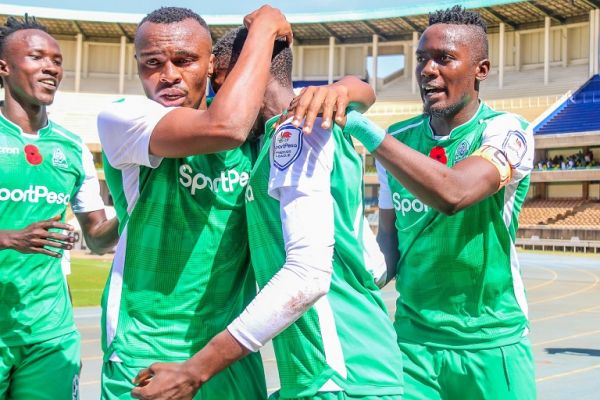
(65, 263)
(125, 128)
(301, 161)
(506, 133)
(308, 231)
(385, 195)
(87, 198)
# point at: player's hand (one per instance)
(327, 101)
(162, 381)
(35, 237)
(270, 18)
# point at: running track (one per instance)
(564, 308)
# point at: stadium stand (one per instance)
(544, 212)
(578, 114)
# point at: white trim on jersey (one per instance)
(61, 133)
(385, 194)
(125, 129)
(334, 355)
(405, 128)
(115, 289)
(88, 197)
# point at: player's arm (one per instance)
(100, 234)
(228, 120)
(331, 100)
(387, 233)
(37, 238)
(448, 190)
(306, 209)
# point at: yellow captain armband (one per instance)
(498, 160)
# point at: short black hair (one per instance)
(228, 48)
(458, 15)
(13, 25)
(169, 15)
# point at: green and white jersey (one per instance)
(181, 269)
(40, 174)
(458, 276)
(305, 221)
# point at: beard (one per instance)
(448, 111)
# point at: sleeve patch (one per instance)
(515, 148)
(287, 145)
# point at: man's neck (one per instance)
(277, 99)
(29, 118)
(443, 126)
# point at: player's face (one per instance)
(446, 70)
(31, 66)
(174, 61)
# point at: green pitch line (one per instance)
(87, 279)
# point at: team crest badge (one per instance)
(461, 151)
(287, 145)
(59, 159)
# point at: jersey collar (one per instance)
(458, 129)
(16, 129)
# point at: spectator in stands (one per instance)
(454, 181)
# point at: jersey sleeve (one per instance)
(87, 198)
(385, 195)
(301, 161)
(374, 259)
(510, 135)
(125, 129)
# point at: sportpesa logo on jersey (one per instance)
(406, 205)
(226, 181)
(34, 194)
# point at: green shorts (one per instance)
(243, 380)
(43, 371)
(335, 396)
(501, 373)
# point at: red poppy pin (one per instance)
(438, 153)
(32, 154)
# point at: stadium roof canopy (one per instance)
(347, 27)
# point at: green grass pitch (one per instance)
(87, 280)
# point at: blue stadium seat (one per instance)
(579, 113)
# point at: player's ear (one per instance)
(4, 70)
(483, 69)
(211, 65)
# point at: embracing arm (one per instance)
(226, 123)
(329, 100)
(450, 190)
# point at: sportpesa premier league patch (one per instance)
(515, 147)
(287, 145)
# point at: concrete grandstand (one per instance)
(541, 51)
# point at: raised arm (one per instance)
(451, 189)
(227, 122)
(331, 100)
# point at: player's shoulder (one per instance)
(503, 120)
(128, 108)
(406, 126)
(62, 134)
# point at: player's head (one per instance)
(452, 59)
(227, 51)
(173, 51)
(30, 62)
